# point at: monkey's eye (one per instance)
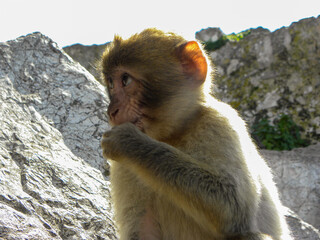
(126, 79)
(110, 82)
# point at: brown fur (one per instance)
(189, 169)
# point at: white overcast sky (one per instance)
(96, 21)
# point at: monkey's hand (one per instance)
(121, 141)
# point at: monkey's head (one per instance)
(154, 80)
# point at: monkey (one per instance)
(183, 166)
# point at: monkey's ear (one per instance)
(193, 61)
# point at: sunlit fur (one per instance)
(194, 173)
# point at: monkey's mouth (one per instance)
(138, 122)
(141, 121)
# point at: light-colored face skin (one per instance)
(125, 92)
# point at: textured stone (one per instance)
(270, 101)
(71, 100)
(87, 56)
(209, 34)
(51, 119)
(301, 230)
(267, 74)
(297, 174)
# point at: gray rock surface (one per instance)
(87, 56)
(209, 34)
(301, 230)
(62, 91)
(51, 119)
(267, 74)
(297, 174)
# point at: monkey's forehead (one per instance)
(144, 62)
(150, 46)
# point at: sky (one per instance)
(90, 22)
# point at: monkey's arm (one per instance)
(200, 191)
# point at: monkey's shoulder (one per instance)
(218, 131)
(217, 120)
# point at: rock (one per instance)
(297, 174)
(233, 66)
(63, 92)
(87, 56)
(267, 74)
(301, 230)
(209, 34)
(52, 117)
(271, 100)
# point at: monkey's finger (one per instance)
(110, 154)
(106, 134)
(105, 142)
(105, 154)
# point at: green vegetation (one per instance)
(284, 134)
(212, 46)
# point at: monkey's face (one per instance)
(153, 80)
(125, 93)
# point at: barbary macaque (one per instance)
(183, 166)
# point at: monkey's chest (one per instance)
(141, 210)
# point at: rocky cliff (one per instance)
(87, 56)
(51, 181)
(267, 74)
(52, 118)
(297, 174)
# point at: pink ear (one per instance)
(193, 61)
